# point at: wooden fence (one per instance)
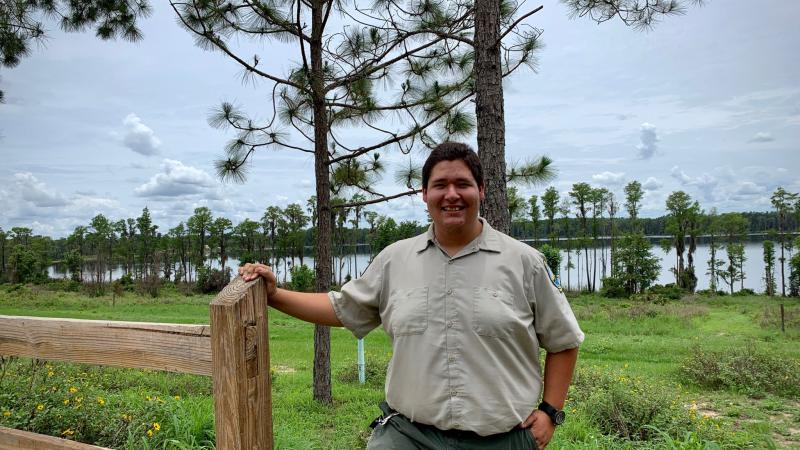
(233, 350)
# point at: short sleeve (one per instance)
(554, 322)
(357, 304)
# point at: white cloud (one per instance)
(762, 136)
(680, 175)
(705, 183)
(652, 184)
(36, 192)
(648, 138)
(175, 180)
(139, 137)
(749, 188)
(609, 178)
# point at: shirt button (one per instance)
(451, 359)
(494, 295)
(449, 292)
(449, 261)
(450, 324)
(453, 393)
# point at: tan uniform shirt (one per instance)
(465, 330)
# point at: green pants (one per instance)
(399, 433)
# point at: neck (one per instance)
(454, 240)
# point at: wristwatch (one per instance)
(557, 416)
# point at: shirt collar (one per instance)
(487, 240)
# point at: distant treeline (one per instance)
(585, 220)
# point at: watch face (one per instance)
(559, 417)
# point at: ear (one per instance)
(482, 191)
(425, 195)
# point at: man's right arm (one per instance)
(311, 307)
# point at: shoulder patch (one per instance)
(553, 278)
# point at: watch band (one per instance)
(557, 416)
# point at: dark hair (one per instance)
(451, 151)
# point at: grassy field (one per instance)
(694, 373)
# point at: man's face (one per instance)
(452, 195)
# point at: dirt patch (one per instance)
(705, 412)
(283, 369)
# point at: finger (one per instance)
(528, 422)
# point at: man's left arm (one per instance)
(558, 370)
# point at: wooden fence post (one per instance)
(240, 359)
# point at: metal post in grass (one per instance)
(240, 360)
(783, 327)
(362, 376)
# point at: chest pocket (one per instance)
(409, 311)
(496, 315)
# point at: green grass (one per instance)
(630, 364)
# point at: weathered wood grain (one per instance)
(240, 349)
(142, 345)
(11, 439)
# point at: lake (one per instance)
(753, 267)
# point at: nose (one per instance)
(451, 192)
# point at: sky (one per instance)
(707, 103)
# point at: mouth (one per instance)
(453, 208)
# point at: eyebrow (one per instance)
(455, 180)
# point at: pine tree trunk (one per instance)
(489, 113)
(322, 334)
(783, 259)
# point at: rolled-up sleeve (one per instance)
(554, 322)
(357, 305)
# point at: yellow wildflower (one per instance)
(177, 397)
(66, 401)
(148, 398)
(156, 426)
(78, 399)
(6, 413)
(149, 433)
(39, 407)
(68, 432)
(73, 389)
(101, 401)
(50, 373)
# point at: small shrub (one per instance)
(749, 370)
(149, 285)
(303, 279)
(613, 288)
(211, 281)
(374, 371)
(650, 297)
(670, 291)
(629, 407)
(246, 257)
(126, 281)
(63, 285)
(706, 292)
(642, 310)
(94, 288)
(744, 292)
(553, 257)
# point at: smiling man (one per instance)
(467, 309)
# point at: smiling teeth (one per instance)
(452, 208)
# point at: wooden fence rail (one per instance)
(234, 351)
